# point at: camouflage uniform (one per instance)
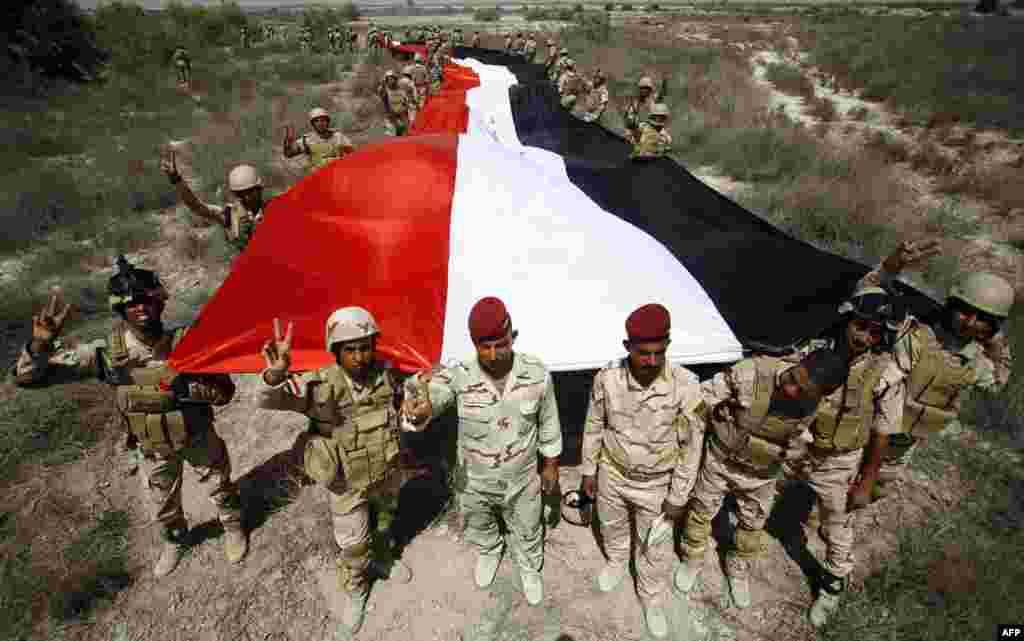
(183, 65)
(551, 57)
(645, 445)
(169, 432)
(530, 49)
(406, 84)
(869, 403)
(421, 79)
(322, 149)
(239, 223)
(353, 451)
(651, 143)
(508, 43)
(397, 105)
(636, 113)
(597, 102)
(475, 42)
(569, 87)
(938, 367)
(500, 434)
(743, 456)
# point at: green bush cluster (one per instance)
(487, 15)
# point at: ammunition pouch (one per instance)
(162, 434)
(749, 449)
(321, 460)
(145, 399)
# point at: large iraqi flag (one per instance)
(498, 191)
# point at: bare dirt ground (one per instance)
(285, 589)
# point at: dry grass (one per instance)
(190, 246)
(823, 109)
(789, 79)
(886, 145)
(1001, 186)
(931, 158)
(859, 114)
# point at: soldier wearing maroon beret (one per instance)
(641, 449)
(507, 416)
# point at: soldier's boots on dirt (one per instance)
(686, 574)
(236, 544)
(827, 602)
(487, 566)
(172, 549)
(654, 618)
(737, 574)
(611, 576)
(533, 586)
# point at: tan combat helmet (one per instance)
(349, 324)
(407, 70)
(244, 177)
(570, 63)
(984, 291)
(551, 42)
(659, 109)
(646, 81)
(319, 112)
(563, 52)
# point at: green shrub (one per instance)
(486, 15)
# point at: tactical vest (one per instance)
(144, 398)
(751, 435)
(239, 225)
(362, 439)
(934, 386)
(397, 101)
(843, 421)
(321, 150)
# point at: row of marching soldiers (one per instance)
(405, 94)
(845, 413)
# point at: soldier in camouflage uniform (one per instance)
(507, 414)
(457, 38)
(759, 407)
(396, 104)
(530, 48)
(183, 66)
(239, 219)
(421, 79)
(475, 42)
(168, 415)
(406, 84)
(597, 98)
(519, 45)
(642, 444)
(961, 349)
(508, 43)
(863, 412)
(569, 84)
(322, 145)
(555, 72)
(653, 139)
(306, 39)
(353, 452)
(245, 39)
(639, 107)
(551, 57)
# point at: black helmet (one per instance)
(876, 305)
(131, 283)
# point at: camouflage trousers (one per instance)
(519, 504)
(617, 497)
(207, 453)
(350, 519)
(893, 472)
(396, 125)
(830, 477)
(421, 95)
(755, 494)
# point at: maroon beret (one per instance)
(488, 319)
(648, 323)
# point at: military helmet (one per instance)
(876, 305)
(407, 70)
(563, 52)
(570, 63)
(645, 82)
(244, 177)
(984, 291)
(130, 283)
(660, 109)
(349, 324)
(390, 73)
(550, 42)
(318, 112)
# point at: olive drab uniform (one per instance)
(869, 402)
(644, 445)
(501, 430)
(743, 455)
(939, 367)
(320, 149)
(651, 143)
(353, 450)
(172, 418)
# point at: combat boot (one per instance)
(611, 576)
(827, 602)
(172, 549)
(533, 586)
(737, 574)
(236, 543)
(487, 567)
(654, 618)
(686, 574)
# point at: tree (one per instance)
(51, 37)
(609, 7)
(578, 8)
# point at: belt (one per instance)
(636, 474)
(731, 459)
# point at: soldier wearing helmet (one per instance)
(508, 43)
(168, 416)
(421, 79)
(639, 107)
(530, 48)
(849, 438)
(475, 42)
(239, 218)
(396, 104)
(353, 451)
(406, 84)
(653, 140)
(551, 57)
(183, 65)
(559, 66)
(322, 145)
(597, 98)
(519, 45)
(569, 84)
(458, 39)
(962, 347)
(507, 416)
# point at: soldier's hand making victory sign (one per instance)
(47, 325)
(418, 408)
(277, 353)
